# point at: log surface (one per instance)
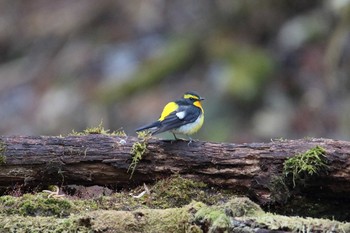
(104, 160)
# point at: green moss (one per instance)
(233, 215)
(178, 191)
(138, 149)
(172, 205)
(19, 224)
(7, 204)
(142, 220)
(145, 220)
(310, 163)
(216, 218)
(297, 224)
(242, 206)
(167, 193)
(40, 205)
(167, 220)
(34, 205)
(296, 170)
(110, 214)
(2, 153)
(2, 159)
(243, 215)
(98, 130)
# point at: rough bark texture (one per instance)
(249, 168)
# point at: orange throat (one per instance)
(198, 104)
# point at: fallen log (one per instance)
(257, 170)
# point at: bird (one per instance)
(183, 116)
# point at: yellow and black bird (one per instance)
(183, 116)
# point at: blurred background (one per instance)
(268, 69)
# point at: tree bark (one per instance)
(249, 168)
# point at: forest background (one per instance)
(268, 69)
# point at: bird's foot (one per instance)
(191, 140)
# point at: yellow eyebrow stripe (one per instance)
(169, 108)
(187, 96)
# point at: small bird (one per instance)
(183, 116)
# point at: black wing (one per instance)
(173, 121)
(150, 126)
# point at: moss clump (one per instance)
(178, 191)
(138, 149)
(2, 159)
(297, 170)
(16, 223)
(98, 130)
(215, 218)
(34, 205)
(304, 165)
(142, 220)
(296, 224)
(168, 193)
(242, 206)
(2, 153)
(219, 218)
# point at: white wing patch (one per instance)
(181, 115)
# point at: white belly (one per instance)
(190, 128)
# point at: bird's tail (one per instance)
(151, 127)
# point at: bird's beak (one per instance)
(201, 98)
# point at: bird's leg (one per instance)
(193, 140)
(190, 140)
(178, 139)
(175, 137)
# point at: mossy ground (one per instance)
(171, 205)
(70, 211)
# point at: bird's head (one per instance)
(194, 98)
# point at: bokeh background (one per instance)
(268, 69)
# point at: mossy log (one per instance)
(257, 170)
